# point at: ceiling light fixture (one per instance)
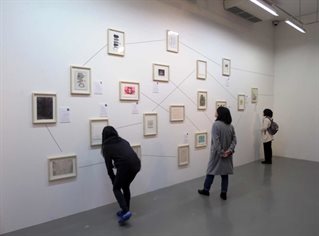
(295, 26)
(265, 6)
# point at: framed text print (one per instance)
(200, 139)
(202, 100)
(62, 167)
(254, 95)
(241, 102)
(183, 155)
(129, 91)
(176, 113)
(226, 67)
(80, 80)
(115, 42)
(172, 41)
(96, 128)
(44, 108)
(201, 69)
(160, 73)
(150, 124)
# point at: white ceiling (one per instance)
(299, 7)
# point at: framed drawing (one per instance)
(150, 124)
(80, 80)
(96, 127)
(160, 73)
(129, 91)
(200, 139)
(221, 103)
(226, 67)
(201, 69)
(201, 100)
(183, 155)
(115, 42)
(172, 41)
(44, 108)
(176, 113)
(62, 167)
(137, 150)
(254, 95)
(241, 102)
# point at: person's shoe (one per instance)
(125, 217)
(203, 192)
(119, 213)
(265, 162)
(223, 195)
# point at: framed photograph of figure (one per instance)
(221, 104)
(160, 73)
(172, 41)
(183, 155)
(96, 127)
(201, 69)
(80, 80)
(200, 139)
(44, 108)
(137, 149)
(115, 42)
(254, 95)
(201, 100)
(62, 167)
(241, 102)
(150, 124)
(129, 91)
(226, 67)
(176, 113)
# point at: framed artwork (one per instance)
(150, 124)
(172, 41)
(137, 149)
(96, 127)
(160, 73)
(241, 102)
(62, 167)
(226, 67)
(44, 108)
(221, 103)
(254, 95)
(200, 139)
(176, 113)
(80, 80)
(201, 69)
(115, 42)
(201, 100)
(183, 155)
(129, 91)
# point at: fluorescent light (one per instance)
(265, 7)
(300, 29)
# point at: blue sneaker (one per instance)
(125, 217)
(119, 213)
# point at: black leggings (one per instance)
(268, 152)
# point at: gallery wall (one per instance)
(42, 39)
(296, 97)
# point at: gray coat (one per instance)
(223, 139)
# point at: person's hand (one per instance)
(227, 154)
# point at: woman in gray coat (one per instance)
(221, 155)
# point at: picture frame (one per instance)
(183, 155)
(115, 42)
(160, 73)
(172, 41)
(96, 128)
(202, 100)
(201, 139)
(226, 67)
(129, 91)
(137, 149)
(241, 102)
(201, 69)
(221, 103)
(254, 95)
(62, 167)
(80, 78)
(44, 108)
(150, 126)
(176, 113)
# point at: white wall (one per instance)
(41, 39)
(296, 97)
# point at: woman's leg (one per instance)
(118, 184)
(224, 186)
(208, 182)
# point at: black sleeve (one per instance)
(109, 165)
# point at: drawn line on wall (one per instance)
(54, 138)
(95, 54)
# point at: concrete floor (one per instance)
(279, 199)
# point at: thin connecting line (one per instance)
(94, 55)
(146, 155)
(234, 97)
(53, 138)
(125, 126)
(93, 164)
(158, 105)
(149, 41)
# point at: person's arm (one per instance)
(265, 125)
(231, 148)
(109, 166)
(216, 138)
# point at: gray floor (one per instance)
(281, 199)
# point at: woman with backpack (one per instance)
(266, 136)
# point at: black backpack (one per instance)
(273, 128)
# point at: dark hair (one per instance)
(268, 112)
(223, 114)
(109, 132)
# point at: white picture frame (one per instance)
(177, 113)
(241, 100)
(183, 155)
(62, 167)
(115, 42)
(80, 80)
(226, 67)
(221, 103)
(201, 69)
(137, 149)
(201, 139)
(96, 128)
(150, 126)
(44, 108)
(254, 95)
(129, 91)
(202, 100)
(160, 73)
(172, 41)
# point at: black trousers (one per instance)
(268, 152)
(121, 187)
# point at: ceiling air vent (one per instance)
(247, 16)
